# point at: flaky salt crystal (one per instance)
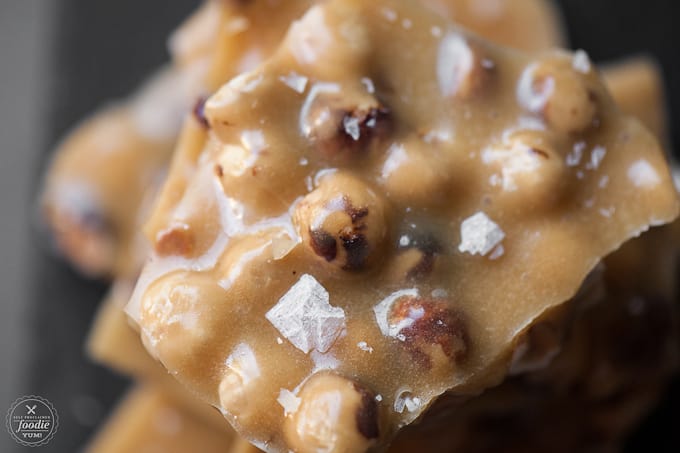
(351, 126)
(295, 81)
(581, 62)
(305, 317)
(479, 235)
(288, 401)
(364, 346)
(642, 174)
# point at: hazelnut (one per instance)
(335, 414)
(175, 240)
(343, 222)
(526, 164)
(434, 334)
(417, 257)
(555, 90)
(85, 236)
(239, 380)
(411, 174)
(343, 124)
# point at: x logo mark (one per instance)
(31, 410)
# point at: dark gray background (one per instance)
(59, 59)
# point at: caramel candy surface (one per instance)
(540, 186)
(107, 171)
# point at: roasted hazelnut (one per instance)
(85, 237)
(343, 124)
(175, 240)
(528, 166)
(434, 333)
(335, 414)
(416, 258)
(410, 174)
(239, 380)
(172, 318)
(462, 68)
(343, 222)
(559, 93)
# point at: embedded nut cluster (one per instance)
(396, 214)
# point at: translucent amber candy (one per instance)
(524, 175)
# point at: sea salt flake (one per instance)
(296, 82)
(368, 84)
(406, 400)
(581, 62)
(351, 126)
(305, 317)
(288, 401)
(642, 174)
(575, 155)
(378, 397)
(364, 346)
(479, 235)
(596, 157)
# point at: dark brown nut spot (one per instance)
(344, 125)
(343, 222)
(335, 414)
(85, 237)
(557, 92)
(462, 69)
(434, 333)
(175, 240)
(417, 257)
(199, 113)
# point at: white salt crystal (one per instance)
(581, 62)
(364, 346)
(479, 235)
(305, 317)
(642, 174)
(295, 81)
(288, 401)
(351, 126)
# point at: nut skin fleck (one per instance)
(199, 113)
(347, 127)
(176, 240)
(219, 171)
(427, 248)
(437, 337)
(323, 244)
(367, 413)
